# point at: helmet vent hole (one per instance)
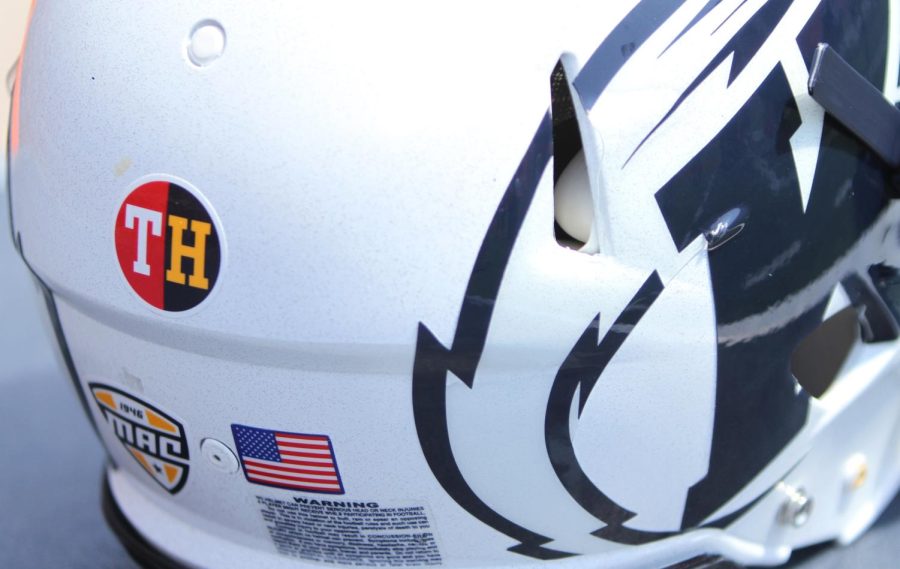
(819, 357)
(573, 204)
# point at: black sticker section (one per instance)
(628, 536)
(747, 168)
(700, 15)
(577, 376)
(742, 47)
(620, 45)
(358, 533)
(192, 253)
(434, 363)
(772, 114)
(856, 29)
(732, 13)
(749, 165)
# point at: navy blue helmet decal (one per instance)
(790, 239)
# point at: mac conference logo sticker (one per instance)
(152, 437)
(168, 246)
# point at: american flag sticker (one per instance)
(294, 461)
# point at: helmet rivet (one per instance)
(219, 455)
(797, 507)
(207, 43)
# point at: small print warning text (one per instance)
(351, 533)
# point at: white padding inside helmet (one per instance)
(572, 199)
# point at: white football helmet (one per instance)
(472, 285)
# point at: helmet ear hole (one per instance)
(573, 203)
(819, 357)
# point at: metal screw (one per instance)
(797, 508)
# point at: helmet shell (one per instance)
(391, 279)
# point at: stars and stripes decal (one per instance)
(294, 461)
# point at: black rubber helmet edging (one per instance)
(142, 551)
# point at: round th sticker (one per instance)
(168, 246)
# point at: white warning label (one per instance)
(350, 533)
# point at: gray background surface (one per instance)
(51, 466)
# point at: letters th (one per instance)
(146, 222)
